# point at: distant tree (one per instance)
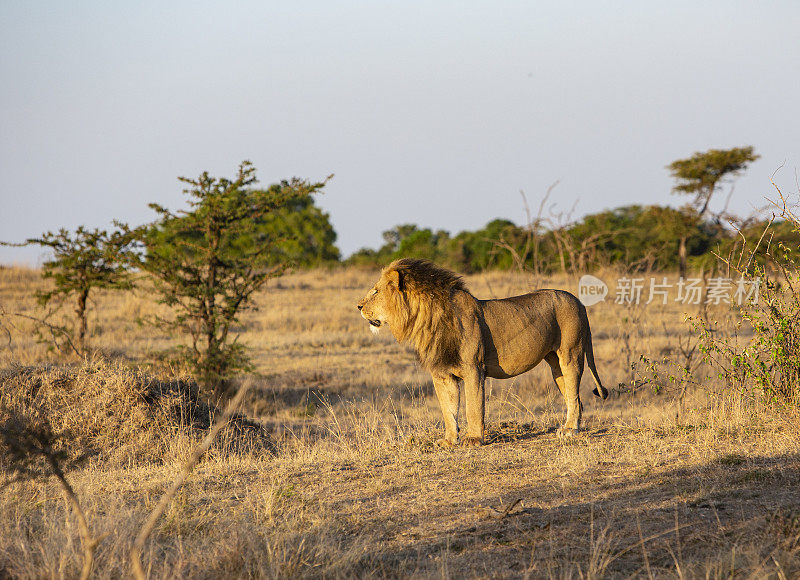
(480, 248)
(701, 174)
(466, 252)
(364, 257)
(394, 237)
(401, 239)
(602, 238)
(303, 233)
(638, 237)
(425, 244)
(680, 226)
(207, 262)
(83, 261)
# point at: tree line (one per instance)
(634, 237)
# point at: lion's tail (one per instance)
(600, 390)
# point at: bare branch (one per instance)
(761, 239)
(53, 331)
(25, 441)
(4, 315)
(88, 541)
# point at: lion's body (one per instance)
(461, 338)
(520, 331)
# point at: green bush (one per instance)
(762, 360)
(206, 262)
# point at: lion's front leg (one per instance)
(474, 397)
(448, 394)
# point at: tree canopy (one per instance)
(701, 174)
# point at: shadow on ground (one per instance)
(511, 431)
(733, 516)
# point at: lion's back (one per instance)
(546, 303)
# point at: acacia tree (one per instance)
(206, 262)
(678, 225)
(83, 261)
(701, 175)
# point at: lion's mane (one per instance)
(424, 312)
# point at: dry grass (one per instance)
(350, 484)
(118, 415)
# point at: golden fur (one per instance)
(463, 339)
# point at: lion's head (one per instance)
(380, 306)
(414, 299)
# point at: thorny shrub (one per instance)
(765, 364)
(753, 347)
(762, 358)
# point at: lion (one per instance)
(463, 339)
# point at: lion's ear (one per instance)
(394, 277)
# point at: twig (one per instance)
(23, 441)
(87, 540)
(497, 514)
(644, 551)
(510, 507)
(645, 540)
(3, 314)
(53, 329)
(753, 253)
(721, 214)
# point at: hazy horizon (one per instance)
(436, 114)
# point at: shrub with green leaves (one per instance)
(82, 261)
(207, 261)
(763, 358)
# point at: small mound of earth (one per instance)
(119, 414)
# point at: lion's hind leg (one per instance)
(567, 371)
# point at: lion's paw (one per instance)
(472, 441)
(444, 444)
(567, 432)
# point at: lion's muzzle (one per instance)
(374, 322)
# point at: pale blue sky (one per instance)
(435, 113)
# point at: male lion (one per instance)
(461, 338)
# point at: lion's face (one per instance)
(379, 306)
